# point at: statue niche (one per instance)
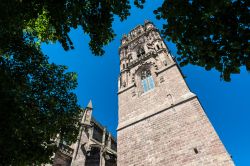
(140, 51)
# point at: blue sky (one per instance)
(226, 104)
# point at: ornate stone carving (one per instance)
(156, 67)
(150, 46)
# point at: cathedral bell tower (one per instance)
(161, 122)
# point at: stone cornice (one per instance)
(129, 122)
(144, 57)
(141, 59)
(165, 68)
(126, 88)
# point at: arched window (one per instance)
(147, 80)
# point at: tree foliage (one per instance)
(211, 34)
(36, 104)
(36, 99)
(52, 20)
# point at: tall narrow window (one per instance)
(147, 81)
(140, 51)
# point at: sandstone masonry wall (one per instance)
(170, 138)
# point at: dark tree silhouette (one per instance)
(210, 34)
(36, 99)
(36, 104)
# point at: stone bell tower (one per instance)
(161, 122)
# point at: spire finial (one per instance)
(90, 104)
